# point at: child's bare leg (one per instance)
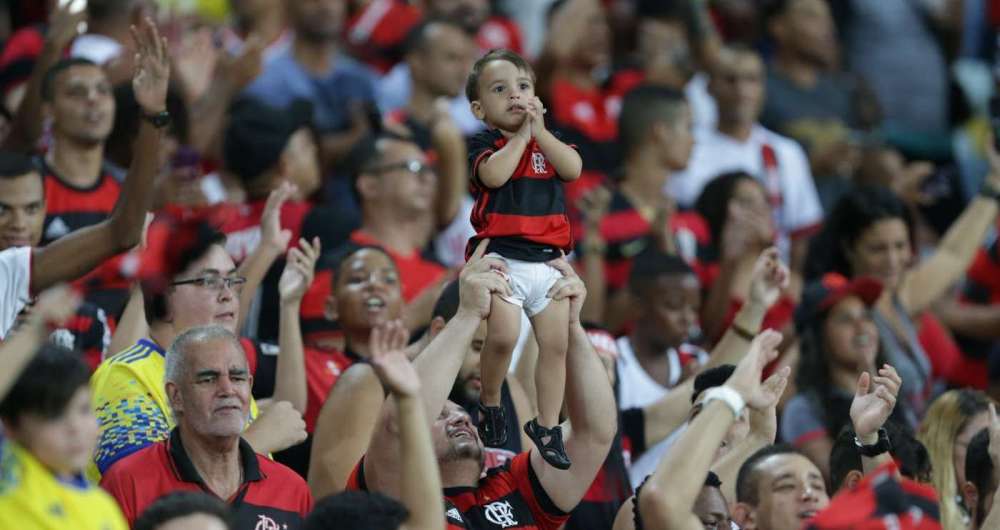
(502, 329)
(552, 332)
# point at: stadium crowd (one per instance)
(491, 264)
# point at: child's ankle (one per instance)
(489, 401)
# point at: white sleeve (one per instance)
(801, 206)
(15, 278)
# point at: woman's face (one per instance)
(972, 427)
(882, 251)
(850, 335)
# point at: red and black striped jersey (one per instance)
(525, 218)
(508, 497)
(881, 502)
(626, 233)
(69, 208)
(87, 332)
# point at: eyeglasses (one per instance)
(215, 283)
(414, 167)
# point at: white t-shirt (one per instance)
(636, 389)
(15, 279)
(786, 177)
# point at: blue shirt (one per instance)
(346, 81)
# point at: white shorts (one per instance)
(530, 283)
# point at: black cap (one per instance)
(257, 134)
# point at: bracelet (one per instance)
(742, 332)
(727, 395)
(883, 445)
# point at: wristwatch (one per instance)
(159, 120)
(871, 451)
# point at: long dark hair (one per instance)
(713, 205)
(854, 213)
(814, 378)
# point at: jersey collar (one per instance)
(149, 343)
(188, 473)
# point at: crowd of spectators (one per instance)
(491, 264)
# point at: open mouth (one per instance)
(374, 303)
(808, 514)
(462, 432)
(229, 315)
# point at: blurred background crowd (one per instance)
(852, 136)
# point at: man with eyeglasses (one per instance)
(128, 395)
(396, 188)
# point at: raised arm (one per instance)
(932, 277)
(769, 278)
(290, 374)
(273, 242)
(28, 120)
(874, 399)
(590, 405)
(343, 429)
(420, 480)
(55, 305)
(439, 363)
(453, 166)
(71, 256)
(564, 159)
(667, 500)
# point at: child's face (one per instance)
(674, 307)
(504, 92)
(64, 444)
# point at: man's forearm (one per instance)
(439, 363)
(564, 159)
(290, 374)
(73, 255)
(18, 350)
(27, 127)
(590, 402)
(420, 479)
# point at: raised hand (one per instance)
(570, 286)
(56, 305)
(769, 278)
(152, 67)
(195, 61)
(746, 377)
(64, 23)
(874, 400)
(764, 420)
(389, 360)
(271, 233)
(480, 279)
(594, 205)
(240, 70)
(299, 270)
(536, 110)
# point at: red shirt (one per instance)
(529, 210)
(323, 368)
(271, 494)
(68, 209)
(508, 497)
(241, 224)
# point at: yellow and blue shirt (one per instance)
(32, 497)
(130, 400)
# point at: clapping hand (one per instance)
(389, 360)
(873, 401)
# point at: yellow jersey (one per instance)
(32, 497)
(128, 395)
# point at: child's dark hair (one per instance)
(46, 385)
(496, 54)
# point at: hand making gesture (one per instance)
(152, 68)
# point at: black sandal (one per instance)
(554, 452)
(492, 426)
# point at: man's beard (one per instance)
(460, 452)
